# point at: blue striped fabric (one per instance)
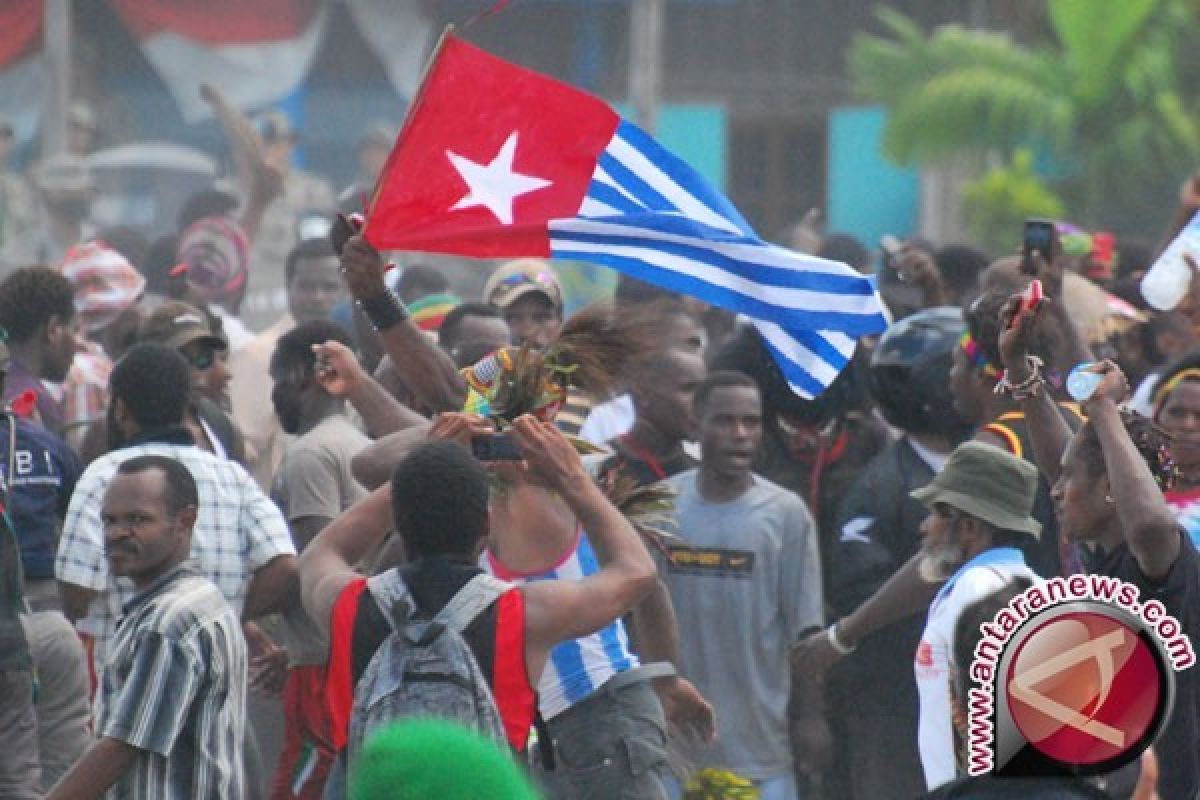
(649, 215)
(577, 667)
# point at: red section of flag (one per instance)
(482, 110)
(218, 22)
(20, 29)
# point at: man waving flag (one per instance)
(496, 161)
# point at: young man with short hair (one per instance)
(313, 288)
(173, 716)
(439, 502)
(312, 487)
(37, 308)
(746, 584)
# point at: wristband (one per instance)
(836, 643)
(383, 309)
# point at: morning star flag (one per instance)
(496, 161)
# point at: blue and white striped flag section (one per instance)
(542, 169)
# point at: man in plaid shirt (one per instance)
(240, 542)
(174, 713)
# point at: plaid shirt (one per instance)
(238, 530)
(175, 688)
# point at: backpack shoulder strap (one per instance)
(471, 600)
(393, 598)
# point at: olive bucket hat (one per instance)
(987, 483)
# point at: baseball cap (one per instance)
(515, 279)
(988, 483)
(177, 325)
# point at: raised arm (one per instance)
(1048, 430)
(340, 374)
(372, 466)
(421, 363)
(560, 610)
(1149, 525)
(327, 564)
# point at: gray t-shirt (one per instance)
(314, 480)
(747, 586)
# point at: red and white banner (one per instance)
(256, 53)
(22, 67)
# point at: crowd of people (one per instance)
(251, 544)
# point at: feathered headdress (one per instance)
(592, 352)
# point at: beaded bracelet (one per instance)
(384, 309)
(1030, 387)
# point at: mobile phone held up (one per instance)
(1041, 236)
(495, 447)
(1030, 298)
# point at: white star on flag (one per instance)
(495, 185)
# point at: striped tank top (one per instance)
(578, 667)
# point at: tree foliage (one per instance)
(1105, 98)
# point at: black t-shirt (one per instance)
(1178, 747)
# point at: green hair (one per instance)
(425, 758)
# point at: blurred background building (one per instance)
(754, 93)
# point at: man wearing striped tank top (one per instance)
(601, 712)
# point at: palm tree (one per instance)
(1103, 100)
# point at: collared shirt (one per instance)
(238, 530)
(175, 688)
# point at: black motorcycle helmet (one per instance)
(910, 373)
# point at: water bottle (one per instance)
(1167, 282)
(1170, 277)
(1082, 382)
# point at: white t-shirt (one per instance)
(609, 420)
(979, 577)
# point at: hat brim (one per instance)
(505, 298)
(1002, 518)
